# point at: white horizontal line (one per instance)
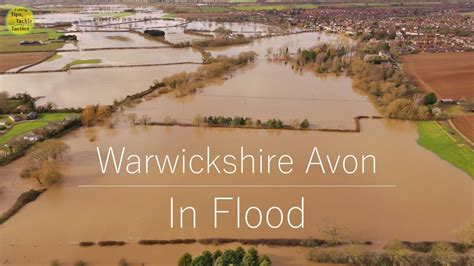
(237, 186)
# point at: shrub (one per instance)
(123, 262)
(430, 98)
(305, 123)
(185, 260)
(80, 263)
(251, 258)
(155, 33)
(443, 254)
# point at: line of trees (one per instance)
(394, 254)
(94, 114)
(240, 121)
(186, 83)
(24, 102)
(389, 90)
(236, 257)
(324, 58)
(386, 85)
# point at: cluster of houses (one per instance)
(18, 118)
(436, 28)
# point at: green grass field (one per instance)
(7, 6)
(10, 42)
(449, 148)
(260, 7)
(214, 9)
(28, 126)
(81, 62)
(169, 15)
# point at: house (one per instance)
(32, 116)
(15, 118)
(32, 137)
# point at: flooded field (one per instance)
(408, 211)
(247, 29)
(74, 88)
(326, 101)
(274, 45)
(122, 57)
(88, 40)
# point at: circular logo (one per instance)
(20, 20)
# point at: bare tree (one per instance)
(145, 120)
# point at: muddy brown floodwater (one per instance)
(428, 203)
(428, 199)
(268, 90)
(75, 88)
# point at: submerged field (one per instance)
(450, 75)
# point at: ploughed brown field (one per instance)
(14, 60)
(465, 124)
(449, 75)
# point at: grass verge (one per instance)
(452, 149)
(81, 62)
(54, 57)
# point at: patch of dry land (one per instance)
(14, 60)
(450, 75)
(465, 124)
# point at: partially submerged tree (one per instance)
(334, 235)
(443, 254)
(430, 98)
(43, 159)
(89, 116)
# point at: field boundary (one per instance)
(356, 129)
(460, 133)
(98, 67)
